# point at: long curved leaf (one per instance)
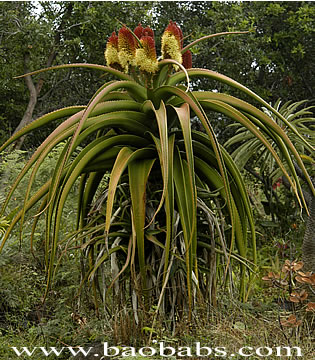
(161, 144)
(110, 70)
(167, 91)
(183, 114)
(214, 179)
(178, 77)
(125, 156)
(41, 121)
(139, 171)
(70, 148)
(186, 206)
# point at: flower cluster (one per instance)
(111, 52)
(146, 58)
(137, 49)
(172, 45)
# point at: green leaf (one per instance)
(215, 181)
(44, 120)
(180, 76)
(139, 171)
(125, 156)
(184, 118)
(110, 70)
(161, 144)
(167, 91)
(185, 199)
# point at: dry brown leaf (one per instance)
(298, 297)
(310, 307)
(291, 321)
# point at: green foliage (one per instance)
(23, 316)
(249, 154)
(18, 295)
(4, 223)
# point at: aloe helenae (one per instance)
(248, 146)
(175, 197)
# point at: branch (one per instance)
(54, 86)
(53, 53)
(49, 62)
(28, 79)
(71, 26)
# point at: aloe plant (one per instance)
(249, 146)
(175, 207)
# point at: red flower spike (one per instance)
(148, 32)
(138, 31)
(149, 46)
(111, 52)
(113, 40)
(126, 41)
(172, 43)
(146, 56)
(173, 29)
(187, 59)
(127, 48)
(180, 35)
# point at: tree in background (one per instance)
(276, 60)
(39, 35)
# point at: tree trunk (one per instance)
(35, 89)
(308, 247)
(34, 92)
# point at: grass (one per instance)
(66, 320)
(231, 325)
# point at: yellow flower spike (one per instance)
(172, 43)
(111, 52)
(127, 48)
(146, 58)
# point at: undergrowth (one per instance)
(67, 319)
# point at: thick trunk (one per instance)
(308, 247)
